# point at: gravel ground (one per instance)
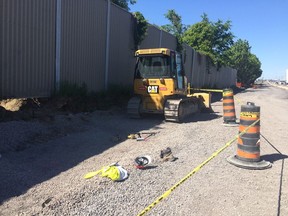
(46, 177)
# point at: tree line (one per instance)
(213, 39)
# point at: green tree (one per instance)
(255, 69)
(176, 27)
(124, 3)
(140, 29)
(247, 64)
(210, 38)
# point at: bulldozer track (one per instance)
(176, 110)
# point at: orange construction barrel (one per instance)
(229, 115)
(248, 144)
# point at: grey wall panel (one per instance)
(1, 46)
(213, 78)
(231, 77)
(194, 69)
(27, 40)
(205, 74)
(152, 39)
(218, 79)
(121, 53)
(222, 78)
(200, 62)
(188, 53)
(83, 39)
(157, 38)
(168, 41)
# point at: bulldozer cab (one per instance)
(154, 66)
(160, 64)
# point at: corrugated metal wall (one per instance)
(152, 39)
(27, 48)
(168, 40)
(121, 47)
(157, 38)
(201, 74)
(188, 58)
(96, 48)
(1, 46)
(83, 39)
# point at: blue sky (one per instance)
(263, 23)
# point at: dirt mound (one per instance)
(12, 104)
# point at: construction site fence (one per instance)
(44, 43)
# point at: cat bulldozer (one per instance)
(160, 87)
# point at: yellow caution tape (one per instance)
(209, 90)
(250, 114)
(167, 193)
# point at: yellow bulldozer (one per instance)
(160, 86)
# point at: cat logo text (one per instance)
(153, 89)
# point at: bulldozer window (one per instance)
(153, 67)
